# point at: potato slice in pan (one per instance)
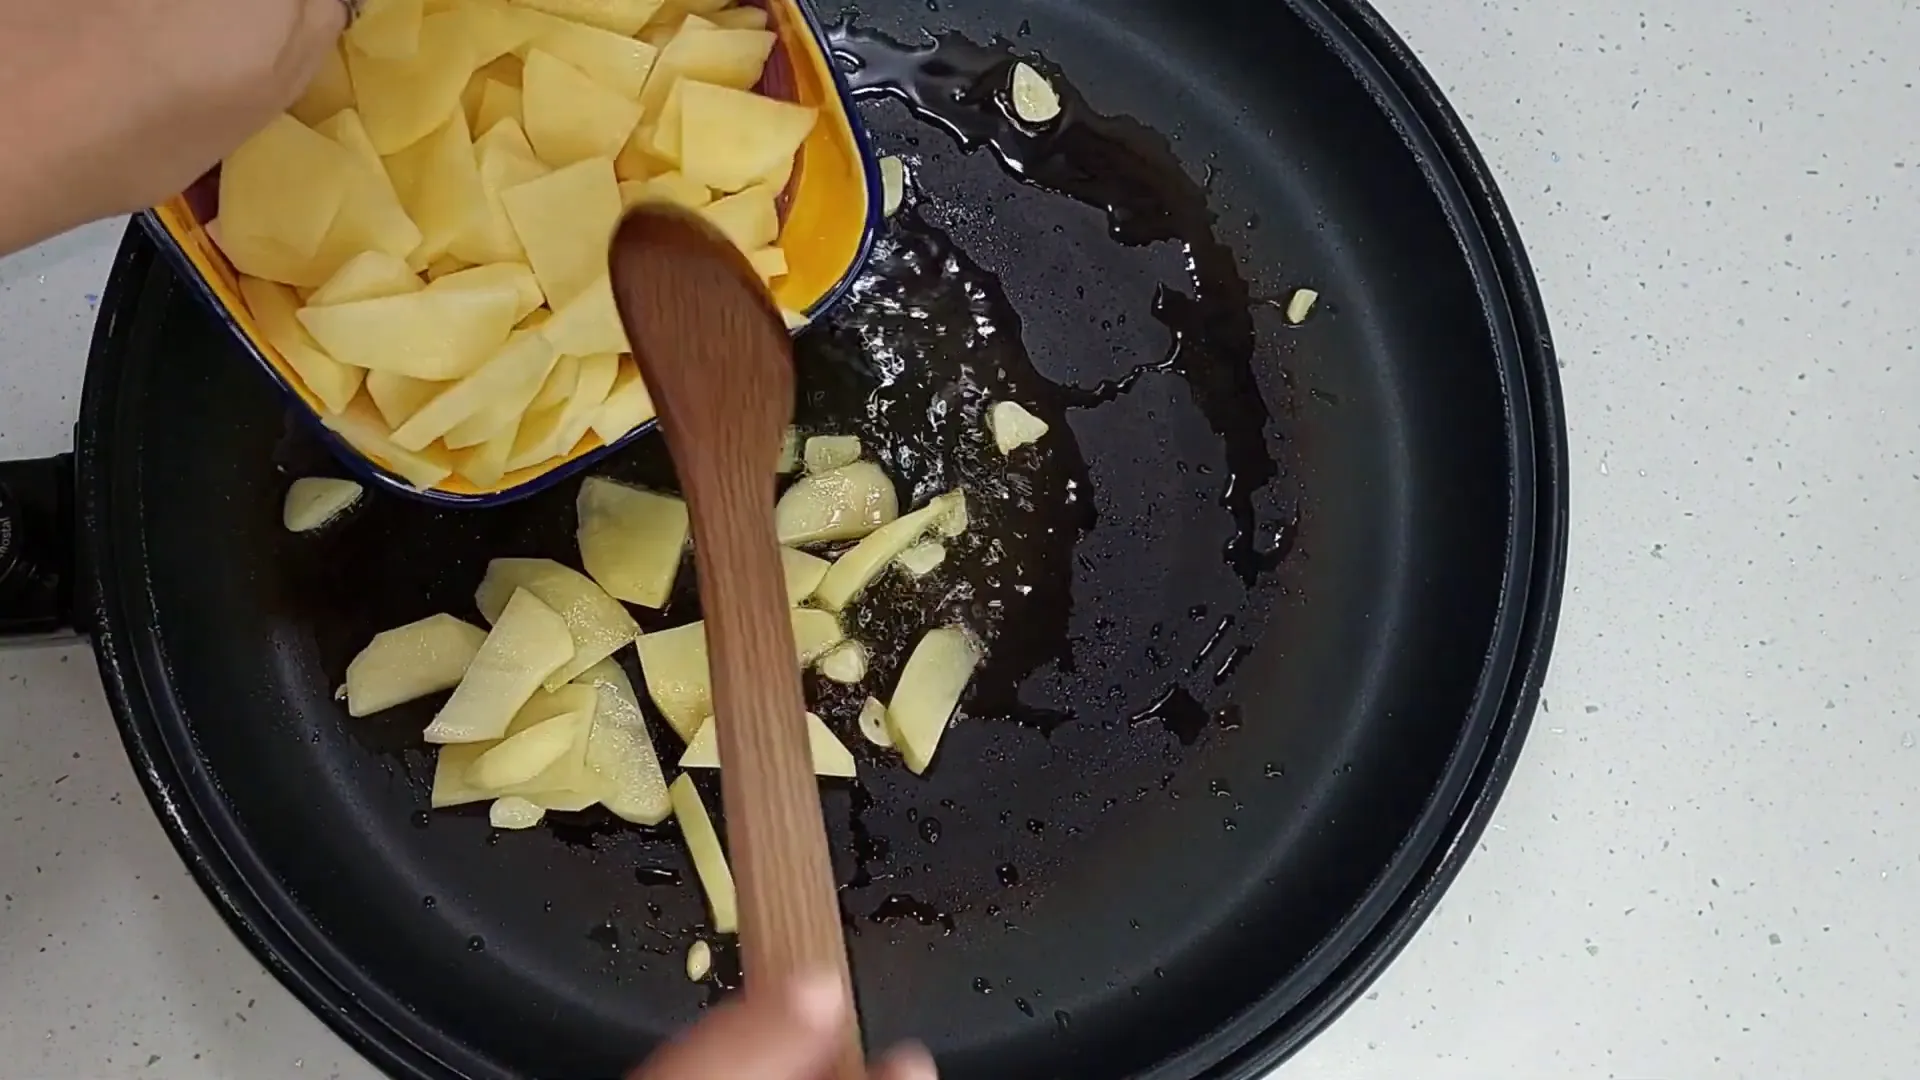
(853, 571)
(845, 503)
(930, 687)
(624, 767)
(830, 756)
(674, 664)
(528, 643)
(410, 662)
(597, 623)
(709, 860)
(631, 541)
(803, 573)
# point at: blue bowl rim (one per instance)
(366, 470)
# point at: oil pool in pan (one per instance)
(910, 362)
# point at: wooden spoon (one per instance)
(719, 362)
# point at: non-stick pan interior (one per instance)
(1242, 616)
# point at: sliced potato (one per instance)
(565, 220)
(748, 218)
(1013, 426)
(369, 275)
(501, 417)
(830, 756)
(404, 99)
(559, 385)
(620, 16)
(505, 160)
(845, 503)
(699, 961)
(930, 688)
(494, 30)
(285, 185)
(410, 662)
(631, 541)
(450, 784)
(1300, 305)
(709, 860)
(720, 56)
(498, 102)
(598, 625)
(955, 520)
(732, 138)
(803, 573)
(565, 783)
(789, 459)
(526, 287)
(439, 183)
(557, 431)
(363, 429)
(569, 117)
(589, 324)
(663, 136)
(484, 465)
(328, 92)
(674, 663)
(389, 29)
(624, 769)
(628, 405)
(314, 501)
(372, 217)
(514, 812)
(529, 642)
(923, 558)
(671, 187)
(769, 262)
(852, 572)
(613, 61)
(740, 18)
(824, 452)
(435, 334)
(274, 307)
(527, 357)
(518, 759)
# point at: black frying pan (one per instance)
(1252, 691)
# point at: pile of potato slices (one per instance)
(423, 235)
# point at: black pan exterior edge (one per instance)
(163, 561)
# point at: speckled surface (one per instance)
(1706, 865)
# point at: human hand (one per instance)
(115, 105)
(786, 1033)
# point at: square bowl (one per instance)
(829, 215)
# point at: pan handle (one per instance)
(36, 551)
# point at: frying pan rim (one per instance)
(199, 823)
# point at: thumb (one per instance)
(789, 1032)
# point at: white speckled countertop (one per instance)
(1706, 865)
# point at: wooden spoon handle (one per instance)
(789, 909)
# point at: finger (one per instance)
(788, 1033)
(908, 1061)
(320, 24)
